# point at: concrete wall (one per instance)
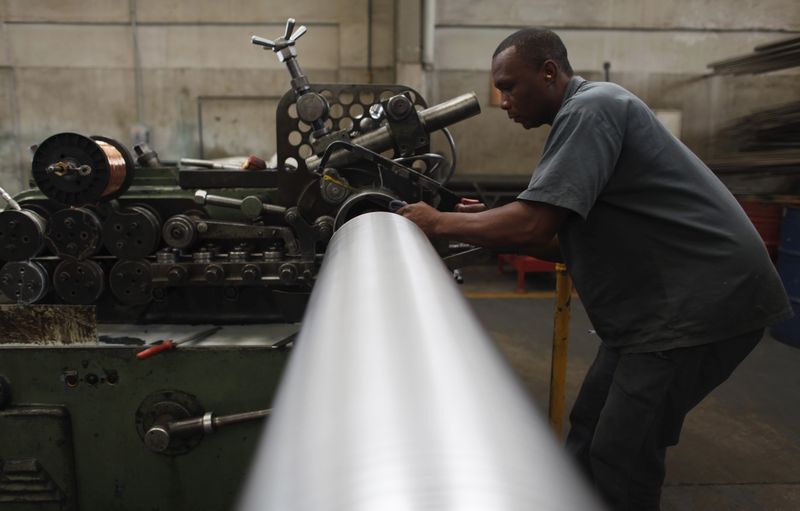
(187, 71)
(659, 50)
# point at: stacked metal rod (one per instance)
(396, 399)
(767, 130)
(765, 58)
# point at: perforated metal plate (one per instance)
(347, 104)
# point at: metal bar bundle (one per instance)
(776, 128)
(395, 398)
(767, 57)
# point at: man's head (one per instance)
(531, 70)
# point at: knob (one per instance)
(157, 438)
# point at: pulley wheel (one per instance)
(132, 282)
(24, 282)
(21, 234)
(132, 233)
(180, 232)
(79, 282)
(74, 232)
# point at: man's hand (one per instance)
(425, 216)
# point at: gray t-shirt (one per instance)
(660, 252)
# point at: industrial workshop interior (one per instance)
(399, 255)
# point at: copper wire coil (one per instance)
(117, 168)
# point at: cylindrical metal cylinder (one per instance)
(395, 398)
(433, 118)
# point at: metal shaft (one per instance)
(395, 398)
(433, 118)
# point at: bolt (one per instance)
(176, 274)
(177, 232)
(202, 227)
(69, 223)
(287, 273)
(251, 272)
(214, 273)
(92, 379)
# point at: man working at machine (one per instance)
(673, 275)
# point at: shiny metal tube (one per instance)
(396, 399)
(432, 119)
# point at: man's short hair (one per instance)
(537, 45)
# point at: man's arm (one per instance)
(521, 226)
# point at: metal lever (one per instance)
(297, 35)
(11, 202)
(289, 28)
(251, 206)
(260, 41)
(158, 437)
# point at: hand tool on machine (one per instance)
(169, 344)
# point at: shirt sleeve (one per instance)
(578, 160)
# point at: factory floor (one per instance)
(740, 448)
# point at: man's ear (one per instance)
(550, 69)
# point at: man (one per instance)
(673, 276)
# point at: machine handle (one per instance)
(251, 206)
(159, 435)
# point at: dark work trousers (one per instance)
(631, 408)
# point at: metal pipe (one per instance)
(432, 118)
(428, 33)
(395, 398)
(558, 357)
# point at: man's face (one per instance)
(526, 93)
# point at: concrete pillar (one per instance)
(409, 69)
